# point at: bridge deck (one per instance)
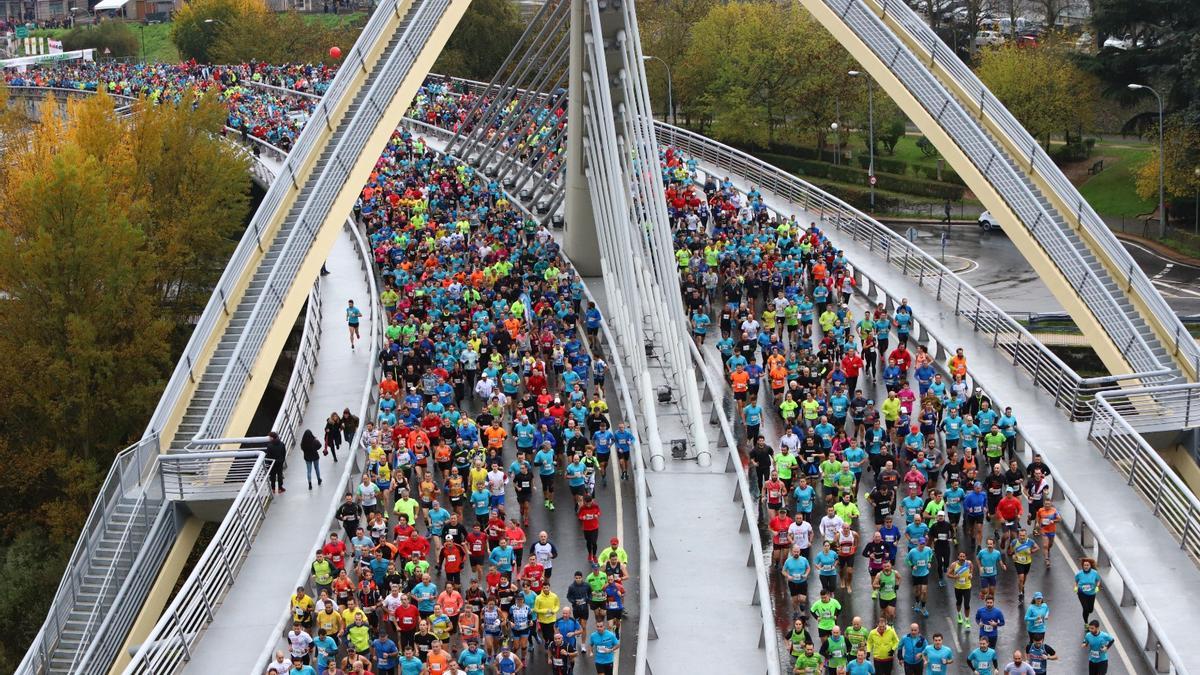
(1144, 543)
(258, 600)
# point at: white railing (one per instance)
(977, 95)
(169, 643)
(126, 476)
(299, 389)
(762, 584)
(366, 409)
(1115, 431)
(1048, 372)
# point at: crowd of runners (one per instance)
(492, 405)
(933, 463)
(494, 393)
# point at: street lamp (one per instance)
(870, 134)
(1162, 211)
(670, 87)
(837, 142)
(1196, 222)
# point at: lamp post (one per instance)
(837, 144)
(670, 87)
(1162, 210)
(1196, 222)
(870, 134)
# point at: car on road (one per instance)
(988, 222)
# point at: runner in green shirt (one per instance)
(825, 610)
(808, 663)
(993, 444)
(785, 462)
(835, 650)
(856, 634)
(787, 408)
(830, 468)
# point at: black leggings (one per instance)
(1088, 605)
(962, 600)
(591, 537)
(275, 478)
(1097, 667)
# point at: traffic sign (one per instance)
(22, 32)
(871, 180)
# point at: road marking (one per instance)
(1143, 249)
(1175, 289)
(1099, 610)
(1164, 271)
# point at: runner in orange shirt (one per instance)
(740, 381)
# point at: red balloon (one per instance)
(335, 53)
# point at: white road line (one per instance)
(1164, 271)
(1143, 249)
(1175, 288)
(1099, 610)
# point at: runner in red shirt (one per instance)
(589, 520)
(335, 550)
(1008, 512)
(773, 491)
(477, 550)
(852, 365)
(779, 525)
(405, 619)
(534, 573)
(452, 560)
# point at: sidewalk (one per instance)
(245, 620)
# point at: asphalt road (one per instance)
(1065, 626)
(1000, 272)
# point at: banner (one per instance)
(55, 46)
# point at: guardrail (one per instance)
(1040, 163)
(127, 474)
(370, 398)
(1087, 283)
(770, 639)
(1114, 432)
(181, 624)
(247, 251)
(207, 475)
(1048, 372)
(295, 400)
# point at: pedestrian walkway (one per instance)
(1133, 534)
(256, 603)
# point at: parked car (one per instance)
(989, 38)
(1122, 43)
(988, 222)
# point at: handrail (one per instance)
(295, 400)
(979, 149)
(329, 182)
(135, 460)
(1146, 472)
(762, 582)
(181, 624)
(1172, 406)
(247, 250)
(366, 405)
(1040, 163)
(1046, 369)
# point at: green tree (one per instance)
(115, 36)
(777, 70)
(34, 563)
(1181, 161)
(483, 38)
(198, 25)
(666, 30)
(1043, 88)
(280, 37)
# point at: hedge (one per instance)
(885, 181)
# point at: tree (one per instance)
(481, 41)
(279, 37)
(889, 134)
(1164, 53)
(1042, 87)
(115, 36)
(1181, 160)
(198, 25)
(666, 30)
(776, 70)
(36, 562)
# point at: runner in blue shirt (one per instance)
(544, 460)
(353, 314)
(975, 506)
(937, 657)
(385, 652)
(604, 644)
(920, 561)
(623, 439)
(1087, 585)
(326, 649)
(473, 659)
(796, 570)
(990, 619)
(983, 659)
(1097, 642)
(991, 560)
(912, 646)
(753, 417)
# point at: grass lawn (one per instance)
(1112, 192)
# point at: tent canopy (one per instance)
(110, 4)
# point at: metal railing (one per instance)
(279, 198)
(762, 584)
(1114, 430)
(299, 389)
(1048, 372)
(126, 476)
(976, 95)
(425, 16)
(1008, 182)
(169, 643)
(207, 475)
(366, 408)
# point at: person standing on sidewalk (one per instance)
(276, 452)
(311, 448)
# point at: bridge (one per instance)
(1121, 448)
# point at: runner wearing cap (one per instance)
(1037, 615)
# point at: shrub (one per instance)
(117, 37)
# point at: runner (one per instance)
(353, 314)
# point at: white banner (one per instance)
(55, 46)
